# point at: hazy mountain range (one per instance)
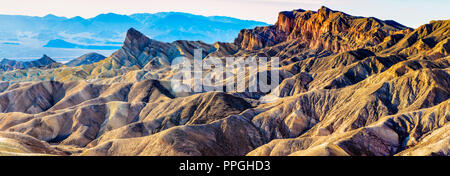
(104, 33)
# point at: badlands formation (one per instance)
(348, 86)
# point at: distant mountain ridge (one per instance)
(105, 32)
(58, 43)
(43, 62)
(322, 30)
(111, 26)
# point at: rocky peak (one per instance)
(133, 34)
(431, 40)
(324, 11)
(135, 40)
(322, 30)
(45, 60)
(4, 61)
(86, 59)
(285, 21)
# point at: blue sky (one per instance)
(411, 13)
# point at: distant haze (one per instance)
(412, 13)
(62, 37)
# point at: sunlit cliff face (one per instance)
(322, 30)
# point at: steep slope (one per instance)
(429, 40)
(76, 113)
(195, 110)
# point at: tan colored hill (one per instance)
(349, 86)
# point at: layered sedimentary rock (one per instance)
(322, 30)
(348, 86)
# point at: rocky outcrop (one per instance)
(322, 30)
(429, 40)
(318, 117)
(85, 59)
(383, 138)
